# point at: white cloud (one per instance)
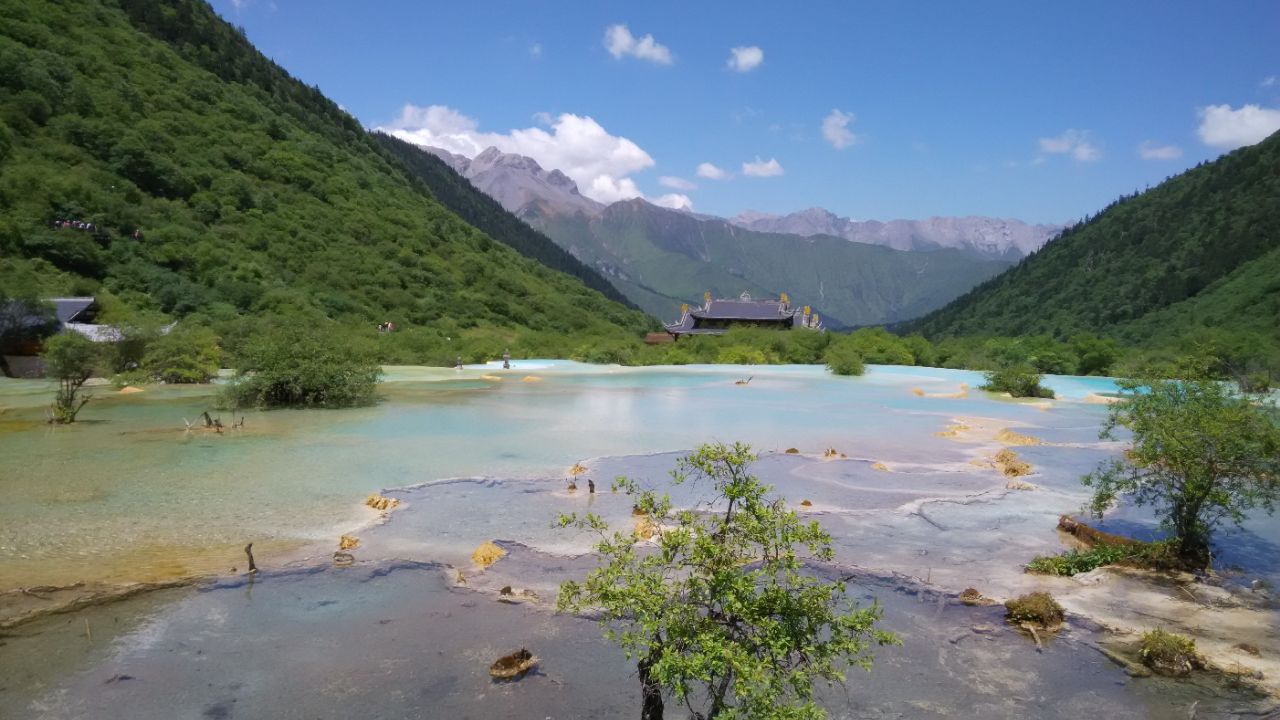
(835, 128)
(711, 172)
(619, 41)
(535, 50)
(1268, 81)
(675, 201)
(745, 59)
(543, 118)
(1078, 143)
(675, 183)
(608, 189)
(1151, 150)
(576, 145)
(762, 168)
(1220, 126)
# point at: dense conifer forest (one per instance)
(1197, 256)
(150, 156)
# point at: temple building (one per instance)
(716, 316)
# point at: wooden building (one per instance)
(716, 316)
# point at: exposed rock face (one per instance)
(519, 183)
(989, 237)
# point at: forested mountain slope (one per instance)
(216, 184)
(661, 258)
(1200, 250)
(483, 212)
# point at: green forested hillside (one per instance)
(1199, 252)
(486, 214)
(661, 258)
(219, 187)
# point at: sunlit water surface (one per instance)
(482, 454)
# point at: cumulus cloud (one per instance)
(1078, 143)
(675, 201)
(762, 168)
(1151, 150)
(575, 145)
(675, 183)
(535, 50)
(835, 128)
(711, 172)
(608, 189)
(745, 59)
(1268, 81)
(620, 43)
(1222, 127)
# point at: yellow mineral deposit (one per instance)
(531, 379)
(1009, 464)
(959, 394)
(880, 466)
(806, 503)
(953, 430)
(577, 469)
(832, 453)
(129, 390)
(347, 542)
(793, 451)
(645, 528)
(1016, 484)
(378, 502)
(1010, 437)
(491, 378)
(487, 554)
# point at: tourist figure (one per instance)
(506, 359)
(458, 364)
(591, 485)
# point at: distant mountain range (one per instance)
(987, 237)
(659, 258)
(519, 182)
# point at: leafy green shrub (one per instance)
(878, 346)
(1169, 653)
(1073, 562)
(302, 367)
(741, 355)
(1018, 381)
(71, 359)
(184, 355)
(1037, 607)
(842, 358)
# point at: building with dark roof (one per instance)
(25, 326)
(716, 316)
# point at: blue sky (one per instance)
(1031, 110)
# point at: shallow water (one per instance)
(396, 640)
(129, 494)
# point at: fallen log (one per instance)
(1092, 536)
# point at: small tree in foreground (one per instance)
(720, 613)
(71, 359)
(1202, 454)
